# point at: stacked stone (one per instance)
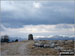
(30, 37)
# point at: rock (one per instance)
(46, 45)
(38, 45)
(30, 37)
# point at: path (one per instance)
(19, 48)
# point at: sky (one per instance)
(40, 18)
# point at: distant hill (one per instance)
(57, 38)
(14, 38)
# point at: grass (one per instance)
(34, 50)
(48, 51)
(41, 51)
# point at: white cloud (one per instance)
(41, 30)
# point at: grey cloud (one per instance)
(49, 13)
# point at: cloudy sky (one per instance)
(41, 18)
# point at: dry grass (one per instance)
(41, 51)
(34, 50)
(48, 51)
(70, 45)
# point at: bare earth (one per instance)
(16, 48)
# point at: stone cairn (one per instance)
(30, 37)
